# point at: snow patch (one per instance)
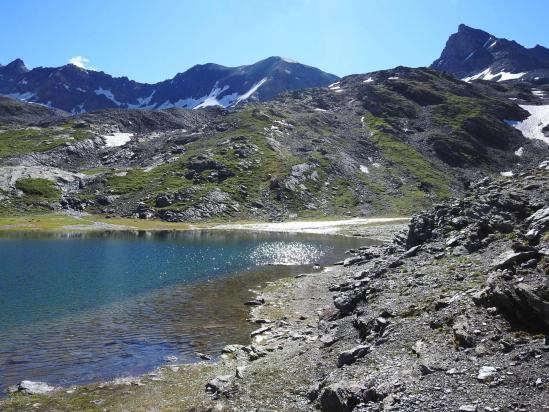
(143, 102)
(22, 96)
(211, 99)
(78, 109)
(470, 55)
(532, 126)
(393, 78)
(539, 93)
(117, 139)
(507, 174)
(519, 152)
(288, 60)
(368, 80)
(254, 88)
(487, 41)
(364, 169)
(488, 75)
(108, 94)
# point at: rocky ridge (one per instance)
(77, 90)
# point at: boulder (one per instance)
(350, 356)
(525, 304)
(31, 388)
(462, 335)
(339, 398)
(510, 258)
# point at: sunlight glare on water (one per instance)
(286, 253)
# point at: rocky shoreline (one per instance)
(453, 315)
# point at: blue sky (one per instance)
(152, 40)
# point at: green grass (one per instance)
(39, 188)
(424, 181)
(344, 197)
(95, 171)
(17, 142)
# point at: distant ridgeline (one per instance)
(77, 90)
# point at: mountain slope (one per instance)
(78, 90)
(475, 54)
(389, 142)
(20, 112)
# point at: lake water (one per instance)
(76, 308)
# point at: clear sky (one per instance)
(152, 40)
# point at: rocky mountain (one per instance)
(77, 90)
(475, 54)
(388, 142)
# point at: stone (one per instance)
(510, 258)
(347, 301)
(462, 336)
(425, 369)
(258, 301)
(231, 348)
(240, 372)
(486, 374)
(412, 251)
(339, 398)
(218, 384)
(163, 201)
(350, 356)
(31, 388)
(261, 330)
(468, 408)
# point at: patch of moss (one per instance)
(407, 159)
(16, 142)
(38, 187)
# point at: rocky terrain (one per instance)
(76, 89)
(452, 315)
(475, 54)
(389, 142)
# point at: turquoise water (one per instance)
(76, 308)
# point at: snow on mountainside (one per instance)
(472, 54)
(533, 126)
(77, 90)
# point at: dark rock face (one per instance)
(78, 90)
(472, 51)
(13, 111)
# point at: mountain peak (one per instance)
(476, 54)
(464, 29)
(16, 67)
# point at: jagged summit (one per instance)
(15, 67)
(472, 54)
